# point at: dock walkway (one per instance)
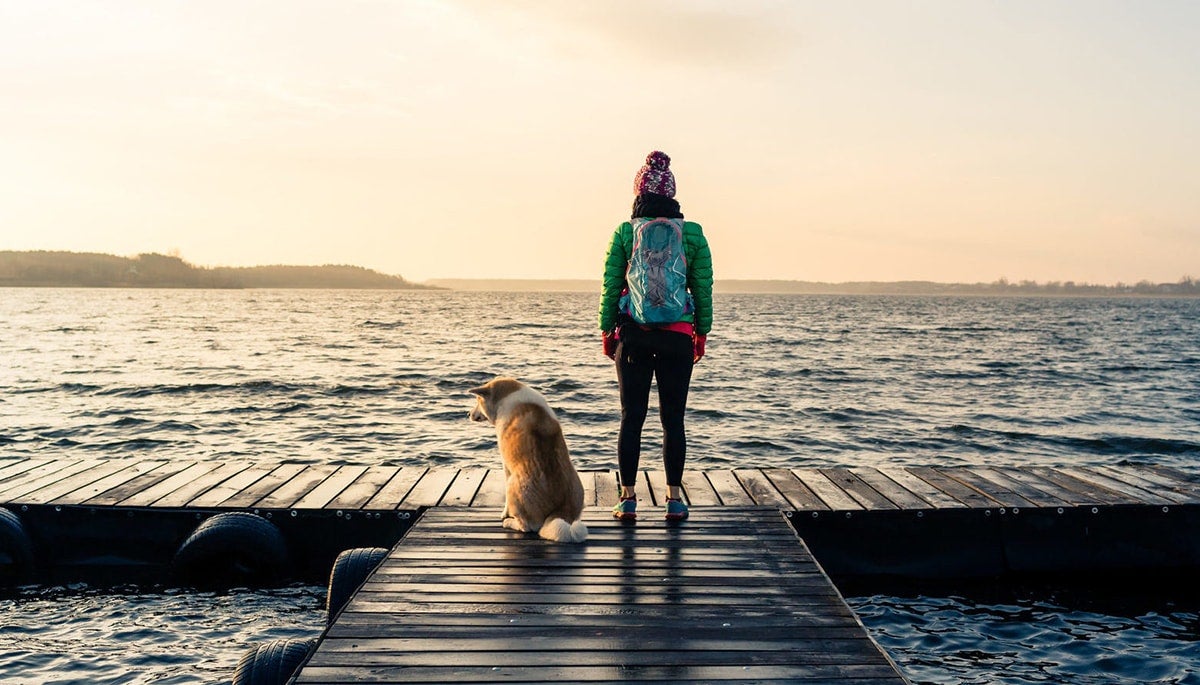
(735, 598)
(732, 595)
(916, 521)
(157, 483)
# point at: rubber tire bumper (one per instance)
(273, 663)
(350, 570)
(16, 550)
(234, 548)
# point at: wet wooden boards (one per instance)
(730, 598)
(244, 485)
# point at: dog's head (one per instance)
(489, 395)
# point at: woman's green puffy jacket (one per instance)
(699, 279)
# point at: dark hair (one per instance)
(654, 205)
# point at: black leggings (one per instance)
(641, 356)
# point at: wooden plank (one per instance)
(264, 486)
(635, 574)
(6, 462)
(936, 498)
(429, 490)
(893, 491)
(114, 495)
(460, 601)
(116, 479)
(393, 493)
(760, 488)
(52, 491)
(229, 487)
(959, 491)
(17, 468)
(1134, 478)
(366, 625)
(795, 492)
(854, 486)
(492, 490)
(42, 476)
(600, 594)
(642, 489)
(1130, 492)
(1024, 475)
(590, 649)
(437, 572)
(463, 488)
(698, 491)
(320, 496)
(357, 494)
(1039, 493)
(1167, 479)
(729, 488)
(152, 494)
(1175, 474)
(657, 480)
(607, 489)
(588, 480)
(662, 561)
(1091, 492)
(457, 540)
(1007, 497)
(501, 581)
(828, 491)
(186, 492)
(287, 493)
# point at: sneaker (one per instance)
(676, 510)
(626, 509)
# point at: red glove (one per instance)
(610, 345)
(698, 347)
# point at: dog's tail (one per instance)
(558, 530)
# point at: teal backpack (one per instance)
(657, 273)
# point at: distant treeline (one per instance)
(93, 270)
(1185, 286)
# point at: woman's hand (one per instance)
(698, 347)
(610, 345)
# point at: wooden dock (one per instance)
(735, 598)
(732, 595)
(246, 485)
(916, 522)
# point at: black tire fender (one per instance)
(273, 663)
(350, 570)
(16, 550)
(232, 548)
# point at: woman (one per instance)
(638, 286)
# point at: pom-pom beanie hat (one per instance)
(655, 176)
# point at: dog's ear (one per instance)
(482, 391)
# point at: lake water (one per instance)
(381, 377)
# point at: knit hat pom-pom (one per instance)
(655, 176)
(658, 160)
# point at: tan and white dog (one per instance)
(542, 490)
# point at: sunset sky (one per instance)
(957, 140)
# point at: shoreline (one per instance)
(720, 289)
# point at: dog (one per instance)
(542, 491)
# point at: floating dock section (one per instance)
(734, 597)
(734, 594)
(913, 522)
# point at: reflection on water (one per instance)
(1038, 635)
(81, 635)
